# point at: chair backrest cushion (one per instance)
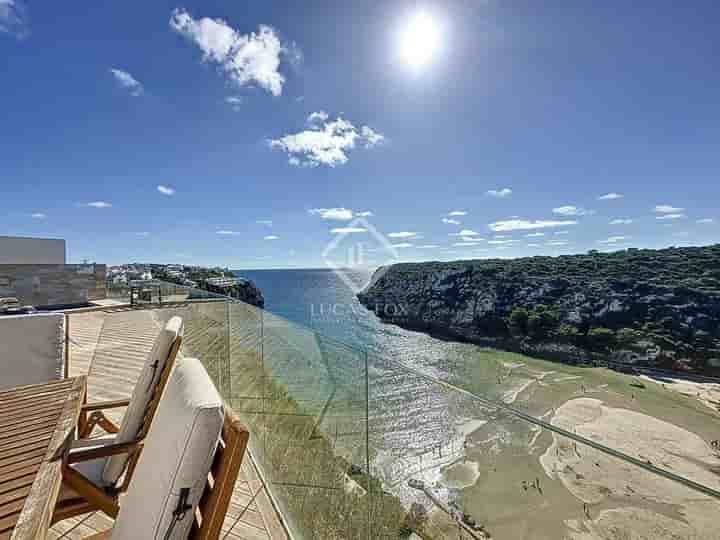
(178, 453)
(32, 349)
(142, 395)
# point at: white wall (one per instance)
(16, 250)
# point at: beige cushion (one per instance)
(32, 349)
(92, 469)
(178, 453)
(142, 393)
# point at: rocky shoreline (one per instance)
(658, 308)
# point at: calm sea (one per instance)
(320, 300)
(417, 426)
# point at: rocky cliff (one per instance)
(240, 289)
(645, 306)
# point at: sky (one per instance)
(288, 134)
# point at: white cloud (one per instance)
(166, 190)
(127, 81)
(524, 224)
(226, 232)
(337, 214)
(267, 222)
(610, 196)
(533, 245)
(501, 193)
(705, 221)
(621, 221)
(449, 221)
(142, 234)
(465, 232)
(235, 102)
(402, 245)
(465, 243)
(427, 246)
(348, 230)
(319, 117)
(403, 234)
(501, 242)
(13, 18)
(558, 233)
(535, 235)
(366, 213)
(457, 213)
(667, 209)
(271, 237)
(325, 142)
(37, 215)
(570, 210)
(245, 59)
(557, 243)
(671, 216)
(97, 204)
(614, 239)
(370, 137)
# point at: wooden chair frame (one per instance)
(210, 513)
(90, 496)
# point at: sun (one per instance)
(419, 39)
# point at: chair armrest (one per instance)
(105, 405)
(104, 451)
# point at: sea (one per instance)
(418, 428)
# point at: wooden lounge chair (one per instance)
(99, 469)
(191, 459)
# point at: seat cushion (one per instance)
(142, 394)
(178, 453)
(92, 469)
(32, 349)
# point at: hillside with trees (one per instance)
(658, 307)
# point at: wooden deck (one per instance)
(115, 348)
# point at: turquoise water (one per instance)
(415, 425)
(320, 300)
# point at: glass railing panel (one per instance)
(304, 399)
(505, 444)
(625, 411)
(463, 464)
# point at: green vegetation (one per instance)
(634, 300)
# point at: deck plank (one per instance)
(110, 348)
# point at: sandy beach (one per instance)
(622, 500)
(706, 393)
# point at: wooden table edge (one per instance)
(34, 521)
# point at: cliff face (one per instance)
(244, 290)
(650, 306)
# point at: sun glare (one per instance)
(419, 39)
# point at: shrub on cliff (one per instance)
(518, 320)
(542, 321)
(601, 338)
(568, 333)
(626, 337)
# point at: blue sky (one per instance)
(309, 115)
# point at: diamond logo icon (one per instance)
(358, 246)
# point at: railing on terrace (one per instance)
(355, 445)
